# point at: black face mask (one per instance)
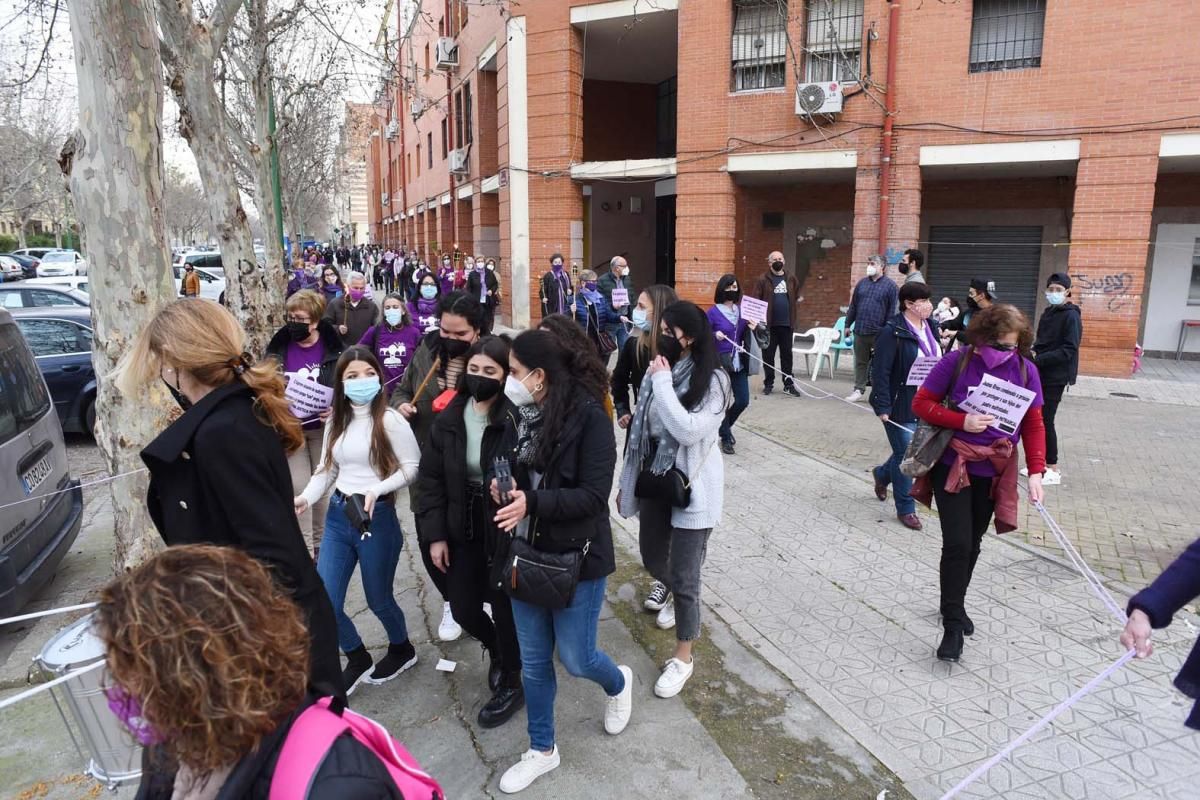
(179, 396)
(454, 348)
(777, 266)
(298, 331)
(904, 267)
(482, 388)
(732, 295)
(971, 304)
(669, 348)
(1006, 348)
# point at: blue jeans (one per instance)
(377, 554)
(618, 332)
(573, 629)
(889, 471)
(740, 383)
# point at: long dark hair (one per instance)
(461, 304)
(726, 280)
(383, 458)
(582, 358)
(695, 325)
(539, 349)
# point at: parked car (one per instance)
(77, 282)
(61, 341)
(201, 259)
(21, 295)
(28, 264)
(61, 262)
(212, 283)
(10, 269)
(34, 252)
(41, 507)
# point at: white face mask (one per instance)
(872, 270)
(1056, 298)
(516, 391)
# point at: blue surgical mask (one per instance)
(361, 391)
(1056, 298)
(393, 316)
(428, 291)
(641, 320)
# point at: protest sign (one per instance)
(920, 368)
(754, 310)
(620, 298)
(1005, 401)
(307, 398)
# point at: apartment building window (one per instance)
(665, 119)
(458, 119)
(429, 148)
(833, 40)
(445, 137)
(427, 71)
(1006, 34)
(418, 160)
(467, 111)
(408, 163)
(759, 44)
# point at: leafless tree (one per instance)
(184, 208)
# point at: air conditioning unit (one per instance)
(459, 163)
(447, 53)
(416, 107)
(392, 130)
(385, 199)
(818, 98)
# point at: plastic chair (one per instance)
(822, 340)
(844, 341)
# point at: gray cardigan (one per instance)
(696, 432)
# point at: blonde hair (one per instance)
(204, 339)
(587, 275)
(309, 302)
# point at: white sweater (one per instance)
(696, 432)
(352, 471)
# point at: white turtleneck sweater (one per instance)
(352, 471)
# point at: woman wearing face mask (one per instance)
(393, 341)
(980, 295)
(445, 275)
(977, 474)
(483, 286)
(725, 317)
(456, 518)
(591, 311)
(905, 338)
(219, 473)
(307, 348)
(426, 308)
(676, 426)
(563, 455)
(1057, 357)
(437, 364)
(368, 451)
(557, 290)
(331, 284)
(299, 279)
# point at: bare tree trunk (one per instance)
(193, 46)
(115, 169)
(58, 235)
(22, 242)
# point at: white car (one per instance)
(10, 269)
(77, 282)
(212, 283)
(60, 263)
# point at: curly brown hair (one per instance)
(583, 361)
(988, 325)
(216, 654)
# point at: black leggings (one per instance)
(965, 516)
(1052, 396)
(436, 575)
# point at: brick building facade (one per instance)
(1028, 137)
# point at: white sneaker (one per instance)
(448, 629)
(619, 708)
(674, 675)
(533, 765)
(666, 617)
(1051, 477)
(487, 609)
(1025, 472)
(657, 598)
(854, 396)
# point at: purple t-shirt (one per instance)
(938, 383)
(425, 313)
(394, 350)
(304, 363)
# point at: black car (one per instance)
(61, 341)
(29, 264)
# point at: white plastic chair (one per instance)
(822, 338)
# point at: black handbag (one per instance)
(542, 579)
(672, 487)
(604, 340)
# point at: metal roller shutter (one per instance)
(1009, 255)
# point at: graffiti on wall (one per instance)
(1114, 288)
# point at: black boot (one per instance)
(968, 627)
(358, 662)
(495, 670)
(951, 647)
(506, 701)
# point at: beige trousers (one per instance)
(302, 464)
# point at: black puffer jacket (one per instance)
(1056, 349)
(349, 771)
(571, 506)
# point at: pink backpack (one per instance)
(314, 732)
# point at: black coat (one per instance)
(1056, 348)
(896, 349)
(571, 506)
(632, 363)
(493, 287)
(441, 505)
(349, 771)
(277, 349)
(218, 475)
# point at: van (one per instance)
(41, 507)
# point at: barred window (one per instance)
(1006, 34)
(759, 44)
(833, 40)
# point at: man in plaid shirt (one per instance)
(872, 303)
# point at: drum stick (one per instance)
(437, 362)
(51, 612)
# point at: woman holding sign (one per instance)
(976, 477)
(730, 328)
(905, 351)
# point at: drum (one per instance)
(114, 756)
